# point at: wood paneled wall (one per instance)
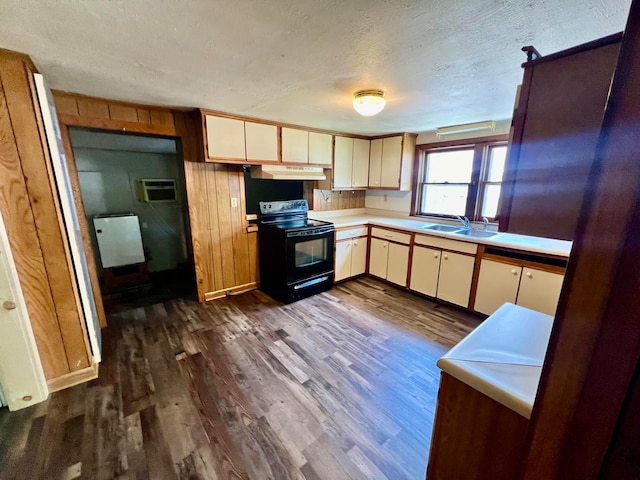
(224, 253)
(338, 200)
(32, 216)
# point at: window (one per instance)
(462, 180)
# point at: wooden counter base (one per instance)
(474, 437)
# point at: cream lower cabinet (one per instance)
(389, 255)
(351, 252)
(499, 283)
(438, 271)
(539, 290)
(425, 268)
(456, 275)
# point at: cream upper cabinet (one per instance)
(360, 167)
(391, 162)
(539, 290)
(320, 148)
(375, 162)
(497, 284)
(378, 256)
(225, 138)
(261, 142)
(397, 264)
(425, 267)
(295, 145)
(456, 275)
(343, 162)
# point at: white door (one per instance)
(540, 290)
(261, 142)
(497, 284)
(398, 264)
(375, 162)
(343, 162)
(358, 256)
(225, 138)
(295, 145)
(425, 268)
(320, 148)
(391, 161)
(360, 173)
(343, 260)
(456, 274)
(378, 258)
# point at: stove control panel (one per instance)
(287, 206)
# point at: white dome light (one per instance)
(369, 102)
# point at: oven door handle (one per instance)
(316, 233)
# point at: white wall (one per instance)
(400, 202)
(108, 181)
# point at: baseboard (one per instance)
(73, 378)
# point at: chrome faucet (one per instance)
(486, 223)
(465, 222)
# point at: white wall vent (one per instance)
(157, 190)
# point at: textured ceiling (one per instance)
(440, 62)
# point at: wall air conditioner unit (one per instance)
(157, 190)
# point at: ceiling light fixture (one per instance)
(466, 127)
(369, 102)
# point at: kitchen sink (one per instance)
(442, 228)
(477, 233)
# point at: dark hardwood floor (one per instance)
(338, 386)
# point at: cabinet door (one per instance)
(539, 290)
(261, 142)
(454, 281)
(398, 264)
(320, 148)
(497, 284)
(391, 162)
(358, 256)
(343, 162)
(295, 145)
(425, 268)
(375, 162)
(360, 170)
(378, 258)
(225, 138)
(343, 260)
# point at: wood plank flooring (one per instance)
(338, 386)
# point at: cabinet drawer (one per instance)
(351, 233)
(446, 244)
(391, 235)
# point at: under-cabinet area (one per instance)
(477, 275)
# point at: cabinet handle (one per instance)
(384, 245)
(388, 236)
(435, 255)
(514, 271)
(446, 257)
(529, 274)
(355, 242)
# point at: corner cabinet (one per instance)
(391, 162)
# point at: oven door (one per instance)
(309, 253)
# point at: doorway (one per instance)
(140, 179)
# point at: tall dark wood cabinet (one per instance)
(556, 124)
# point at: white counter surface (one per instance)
(548, 246)
(503, 357)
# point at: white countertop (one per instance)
(503, 357)
(548, 246)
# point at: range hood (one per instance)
(284, 172)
